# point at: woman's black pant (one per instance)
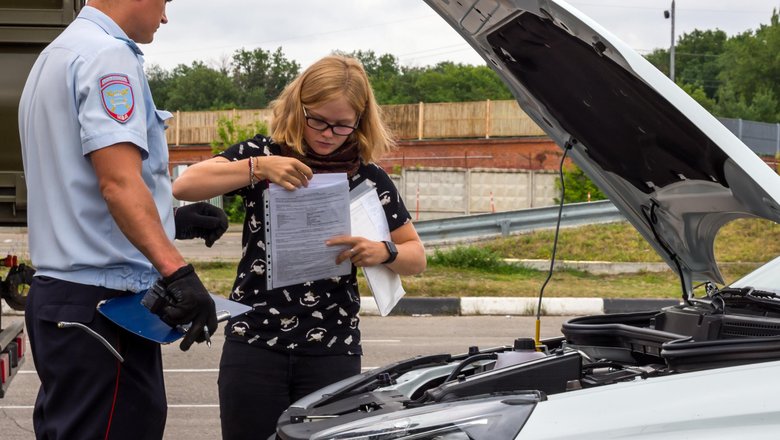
(256, 385)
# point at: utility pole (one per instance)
(667, 14)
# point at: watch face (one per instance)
(392, 250)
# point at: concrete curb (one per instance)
(525, 306)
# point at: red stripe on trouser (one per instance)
(116, 392)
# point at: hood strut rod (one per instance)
(652, 220)
(568, 146)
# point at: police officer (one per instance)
(100, 225)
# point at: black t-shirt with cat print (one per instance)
(318, 317)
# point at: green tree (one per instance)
(377, 66)
(199, 87)
(578, 186)
(384, 72)
(230, 131)
(762, 106)
(698, 93)
(261, 75)
(283, 71)
(735, 77)
(444, 82)
(696, 61)
(660, 59)
(750, 74)
(450, 82)
(160, 84)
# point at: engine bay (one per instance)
(726, 328)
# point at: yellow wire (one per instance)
(537, 340)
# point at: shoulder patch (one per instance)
(117, 96)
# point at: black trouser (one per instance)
(256, 385)
(86, 393)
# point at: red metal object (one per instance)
(10, 261)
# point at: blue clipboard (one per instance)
(128, 313)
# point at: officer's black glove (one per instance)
(200, 220)
(188, 301)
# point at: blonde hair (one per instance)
(330, 77)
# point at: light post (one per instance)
(667, 14)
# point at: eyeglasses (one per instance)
(337, 129)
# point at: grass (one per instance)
(745, 240)
(218, 277)
(479, 269)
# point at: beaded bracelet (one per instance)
(252, 178)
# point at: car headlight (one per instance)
(473, 419)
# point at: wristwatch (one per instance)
(392, 250)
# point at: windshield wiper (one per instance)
(747, 292)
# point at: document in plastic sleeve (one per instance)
(297, 225)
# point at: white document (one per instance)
(369, 221)
(297, 225)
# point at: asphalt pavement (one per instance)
(190, 377)
(416, 326)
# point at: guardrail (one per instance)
(502, 224)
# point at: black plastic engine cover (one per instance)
(549, 375)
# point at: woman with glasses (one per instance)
(303, 337)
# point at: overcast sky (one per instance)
(211, 31)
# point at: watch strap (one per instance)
(392, 250)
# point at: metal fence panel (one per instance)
(762, 137)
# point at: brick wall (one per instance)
(526, 153)
(535, 153)
(532, 153)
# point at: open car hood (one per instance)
(673, 170)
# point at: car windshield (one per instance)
(766, 277)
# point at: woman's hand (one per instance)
(286, 172)
(218, 175)
(360, 251)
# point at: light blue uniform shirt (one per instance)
(87, 91)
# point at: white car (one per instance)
(708, 368)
